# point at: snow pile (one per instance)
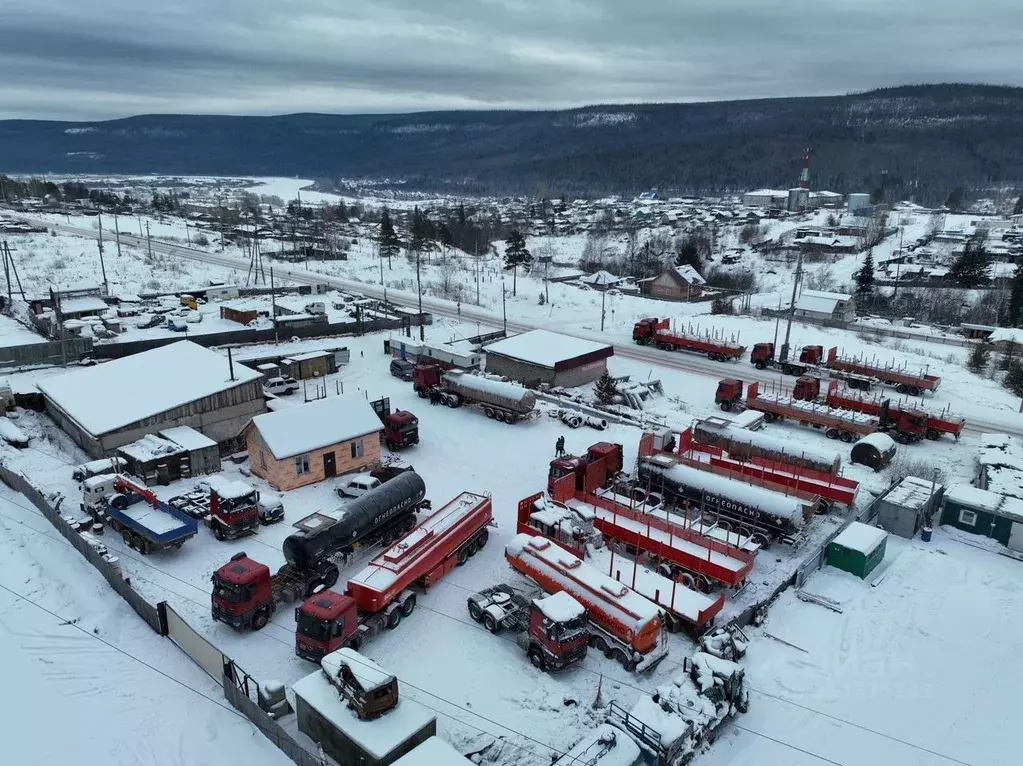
(433, 752)
(188, 437)
(150, 447)
(604, 746)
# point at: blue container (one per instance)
(925, 534)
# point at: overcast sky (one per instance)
(75, 60)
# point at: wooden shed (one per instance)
(156, 460)
(203, 452)
(858, 549)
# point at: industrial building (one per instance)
(541, 356)
(182, 384)
(304, 445)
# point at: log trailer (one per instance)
(659, 333)
(766, 514)
(383, 593)
(744, 445)
(809, 363)
(623, 625)
(552, 630)
(933, 426)
(498, 399)
(401, 427)
(904, 382)
(146, 522)
(230, 508)
(245, 595)
(602, 462)
(683, 607)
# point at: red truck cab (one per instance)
(238, 512)
(401, 429)
(241, 593)
(425, 377)
(558, 632)
(645, 329)
(761, 355)
(813, 355)
(729, 392)
(807, 388)
(592, 471)
(326, 622)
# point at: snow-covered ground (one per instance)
(86, 680)
(920, 667)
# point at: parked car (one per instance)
(193, 317)
(177, 324)
(402, 368)
(146, 321)
(271, 507)
(281, 386)
(357, 485)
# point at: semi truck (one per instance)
(931, 425)
(229, 508)
(682, 606)
(498, 399)
(659, 333)
(602, 462)
(384, 592)
(766, 514)
(552, 630)
(145, 522)
(810, 361)
(624, 625)
(245, 595)
(401, 427)
(889, 373)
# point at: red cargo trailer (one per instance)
(936, 425)
(659, 333)
(888, 373)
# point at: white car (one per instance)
(281, 386)
(357, 485)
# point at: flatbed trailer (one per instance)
(742, 444)
(145, 522)
(889, 374)
(937, 425)
(809, 362)
(659, 333)
(707, 561)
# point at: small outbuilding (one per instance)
(156, 460)
(312, 364)
(981, 512)
(433, 752)
(203, 452)
(874, 450)
(541, 356)
(904, 509)
(296, 446)
(832, 307)
(858, 549)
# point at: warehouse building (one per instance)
(183, 384)
(540, 356)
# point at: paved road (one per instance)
(697, 365)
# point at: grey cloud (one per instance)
(112, 59)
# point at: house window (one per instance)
(302, 465)
(968, 517)
(357, 448)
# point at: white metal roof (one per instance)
(187, 437)
(308, 427)
(689, 274)
(815, 300)
(115, 394)
(83, 304)
(544, 348)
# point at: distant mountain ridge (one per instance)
(923, 139)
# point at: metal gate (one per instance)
(205, 654)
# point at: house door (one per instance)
(329, 465)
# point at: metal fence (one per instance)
(238, 688)
(203, 653)
(111, 572)
(49, 353)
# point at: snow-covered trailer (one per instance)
(497, 398)
(888, 373)
(145, 522)
(11, 434)
(625, 626)
(746, 445)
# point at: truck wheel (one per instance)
(463, 555)
(489, 412)
(537, 658)
(933, 435)
(126, 538)
(831, 433)
(761, 539)
(914, 391)
(453, 402)
(475, 612)
(331, 577)
(760, 365)
(394, 619)
(902, 388)
(218, 532)
(490, 623)
(726, 406)
(409, 606)
(421, 392)
(847, 437)
(609, 651)
(145, 547)
(260, 619)
(314, 586)
(482, 539)
(390, 445)
(599, 644)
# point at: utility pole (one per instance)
(792, 308)
(477, 259)
(603, 298)
(419, 289)
(273, 303)
(117, 236)
(102, 266)
(504, 307)
(149, 242)
(220, 211)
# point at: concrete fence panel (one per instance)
(205, 654)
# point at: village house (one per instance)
(832, 307)
(307, 444)
(680, 283)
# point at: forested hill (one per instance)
(931, 138)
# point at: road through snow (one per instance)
(1010, 423)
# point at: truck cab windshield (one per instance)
(567, 631)
(235, 594)
(310, 627)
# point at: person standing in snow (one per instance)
(559, 447)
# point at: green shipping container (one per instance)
(858, 549)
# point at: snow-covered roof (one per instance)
(974, 497)
(142, 385)
(822, 302)
(1006, 335)
(912, 492)
(879, 441)
(368, 673)
(433, 752)
(188, 437)
(688, 274)
(601, 278)
(151, 447)
(860, 537)
(83, 304)
(545, 348)
(560, 607)
(308, 427)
